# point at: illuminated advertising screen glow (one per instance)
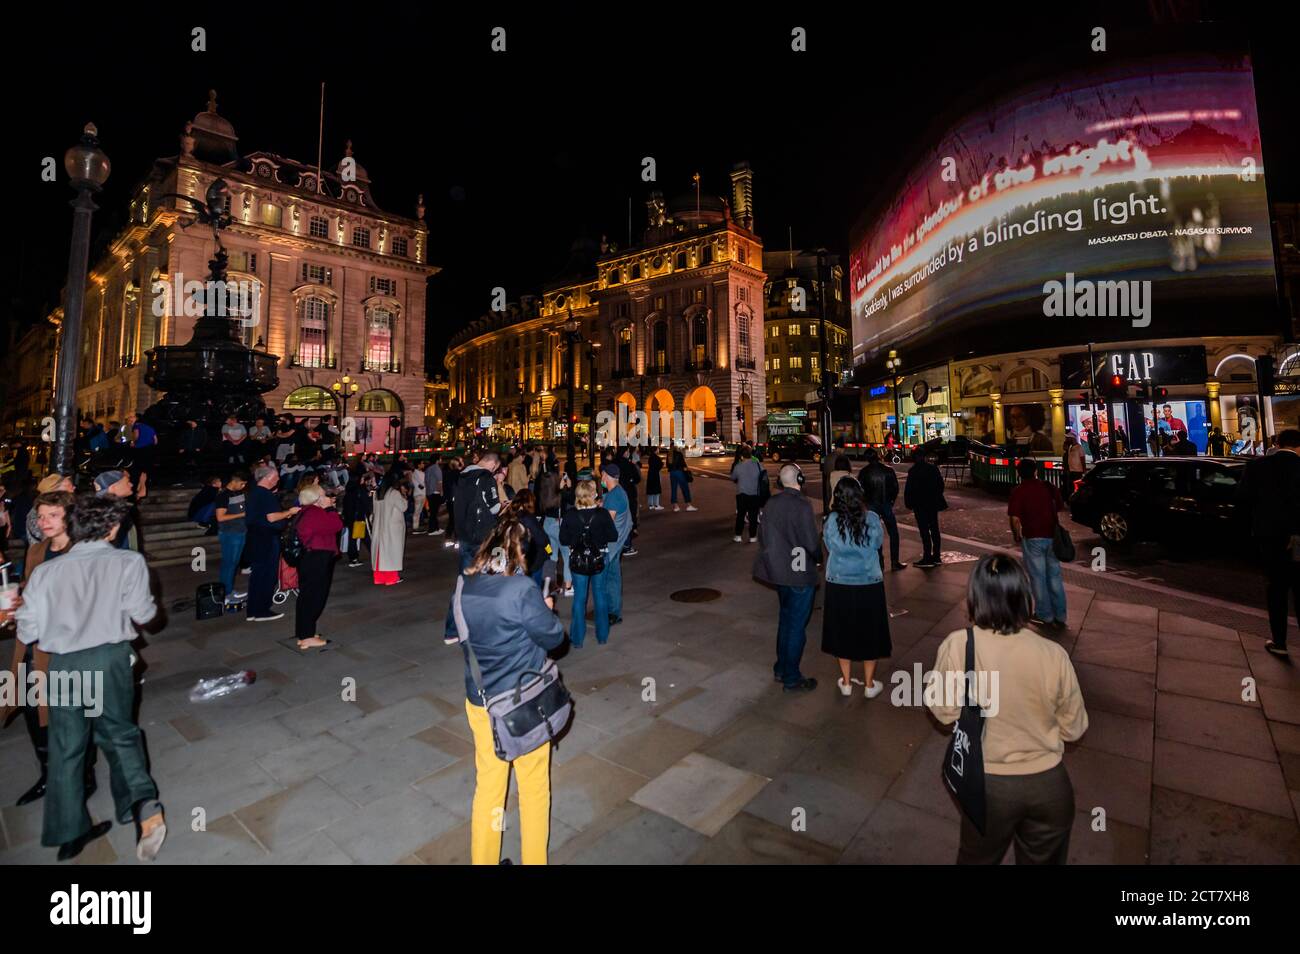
(1110, 202)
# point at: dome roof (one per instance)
(362, 175)
(209, 121)
(710, 210)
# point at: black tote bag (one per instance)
(963, 762)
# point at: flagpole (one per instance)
(320, 139)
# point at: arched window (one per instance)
(313, 333)
(699, 339)
(379, 340)
(379, 401)
(636, 272)
(309, 399)
(681, 259)
(625, 349)
(615, 276)
(661, 344)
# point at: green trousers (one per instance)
(109, 669)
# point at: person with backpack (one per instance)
(587, 530)
(228, 512)
(265, 519)
(388, 528)
(509, 628)
(480, 496)
(317, 529)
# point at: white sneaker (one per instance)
(691, 507)
(436, 533)
(238, 597)
(568, 592)
(675, 508)
(753, 538)
(736, 538)
(246, 570)
(875, 689)
(846, 689)
(265, 619)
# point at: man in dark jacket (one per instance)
(924, 497)
(479, 498)
(790, 549)
(1272, 490)
(629, 475)
(881, 484)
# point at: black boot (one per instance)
(73, 848)
(35, 792)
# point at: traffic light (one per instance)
(1115, 387)
(1161, 394)
(1143, 391)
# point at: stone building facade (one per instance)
(671, 326)
(340, 284)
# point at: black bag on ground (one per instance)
(963, 762)
(584, 556)
(209, 600)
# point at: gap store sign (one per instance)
(1160, 365)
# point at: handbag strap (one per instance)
(462, 630)
(970, 662)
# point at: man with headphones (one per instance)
(789, 552)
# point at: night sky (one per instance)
(519, 154)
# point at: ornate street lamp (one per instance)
(88, 170)
(894, 364)
(344, 389)
(591, 425)
(571, 339)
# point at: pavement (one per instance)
(682, 749)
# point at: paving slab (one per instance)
(700, 792)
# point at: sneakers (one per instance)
(736, 539)
(875, 689)
(846, 688)
(630, 551)
(265, 619)
(753, 539)
(451, 640)
(436, 533)
(898, 566)
(356, 563)
(246, 570)
(152, 832)
(691, 507)
(1274, 648)
(568, 591)
(676, 508)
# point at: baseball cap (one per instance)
(611, 469)
(49, 483)
(107, 479)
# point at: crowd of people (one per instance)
(530, 528)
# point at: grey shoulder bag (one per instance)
(530, 714)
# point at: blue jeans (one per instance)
(558, 553)
(678, 479)
(796, 608)
(467, 553)
(232, 547)
(578, 621)
(1045, 577)
(612, 579)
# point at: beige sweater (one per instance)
(1036, 703)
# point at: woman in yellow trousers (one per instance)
(511, 628)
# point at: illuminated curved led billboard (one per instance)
(1120, 202)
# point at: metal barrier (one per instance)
(998, 471)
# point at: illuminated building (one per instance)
(677, 320)
(337, 284)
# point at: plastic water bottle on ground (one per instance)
(218, 686)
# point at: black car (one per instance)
(1183, 501)
(795, 447)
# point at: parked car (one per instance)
(712, 446)
(1182, 501)
(795, 447)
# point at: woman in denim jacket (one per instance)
(855, 620)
